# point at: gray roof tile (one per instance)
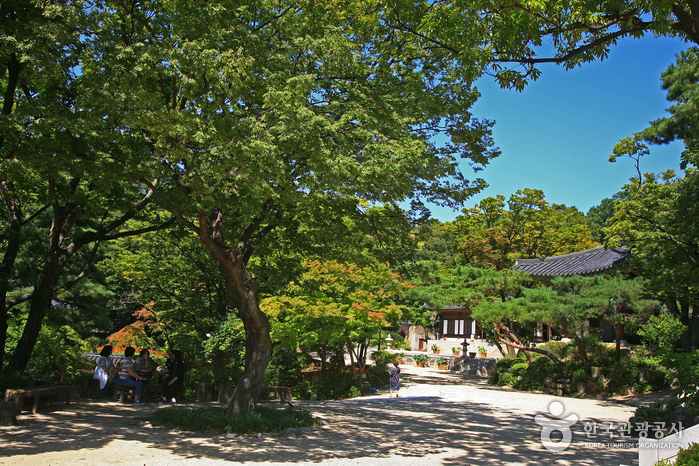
(585, 262)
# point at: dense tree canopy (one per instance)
(655, 212)
(494, 232)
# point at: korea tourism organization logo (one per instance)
(556, 433)
(556, 424)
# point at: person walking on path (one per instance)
(394, 383)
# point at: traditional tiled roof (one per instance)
(585, 262)
(445, 308)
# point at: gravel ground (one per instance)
(440, 418)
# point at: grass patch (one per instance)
(220, 420)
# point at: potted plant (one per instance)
(435, 348)
(420, 359)
(442, 363)
(482, 351)
(399, 357)
(456, 350)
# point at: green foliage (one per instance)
(14, 380)
(492, 236)
(560, 349)
(378, 372)
(503, 366)
(505, 379)
(220, 420)
(580, 376)
(335, 304)
(533, 377)
(355, 391)
(334, 387)
(284, 368)
(684, 366)
(519, 369)
(663, 330)
(685, 457)
(421, 358)
(58, 353)
(622, 373)
(598, 216)
(442, 361)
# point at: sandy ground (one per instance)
(440, 418)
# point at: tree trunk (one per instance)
(242, 289)
(40, 303)
(14, 212)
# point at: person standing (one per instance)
(394, 383)
(174, 382)
(103, 365)
(129, 378)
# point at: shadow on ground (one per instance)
(364, 429)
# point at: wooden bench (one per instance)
(149, 387)
(19, 395)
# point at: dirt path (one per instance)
(439, 419)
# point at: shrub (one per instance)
(518, 369)
(663, 330)
(559, 349)
(506, 379)
(580, 376)
(685, 457)
(333, 387)
(221, 420)
(14, 380)
(505, 364)
(536, 372)
(284, 368)
(354, 392)
(622, 373)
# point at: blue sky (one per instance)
(558, 133)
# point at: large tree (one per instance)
(508, 37)
(655, 213)
(256, 113)
(52, 169)
(494, 232)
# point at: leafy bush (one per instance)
(518, 369)
(284, 368)
(354, 392)
(663, 330)
(559, 349)
(685, 457)
(58, 353)
(14, 380)
(333, 387)
(580, 376)
(538, 370)
(506, 379)
(503, 366)
(378, 373)
(221, 420)
(622, 373)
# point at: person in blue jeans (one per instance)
(128, 377)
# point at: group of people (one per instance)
(135, 372)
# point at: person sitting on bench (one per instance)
(144, 365)
(127, 374)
